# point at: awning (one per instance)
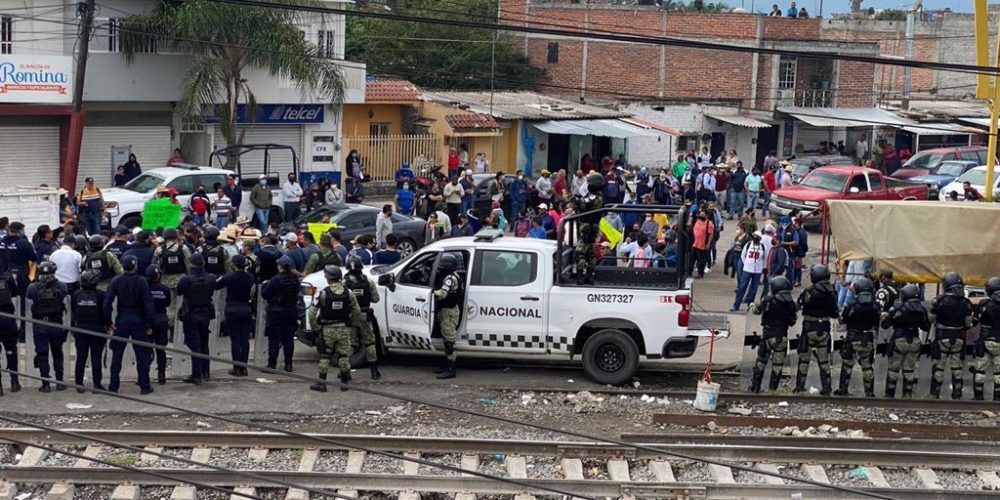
(942, 129)
(638, 122)
(846, 117)
(601, 128)
(739, 120)
(982, 122)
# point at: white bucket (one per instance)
(707, 396)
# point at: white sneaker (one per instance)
(708, 270)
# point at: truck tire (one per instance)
(131, 221)
(610, 357)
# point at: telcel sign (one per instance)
(287, 114)
(36, 79)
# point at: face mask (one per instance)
(263, 182)
(201, 191)
(406, 186)
(520, 177)
(291, 179)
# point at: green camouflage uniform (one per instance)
(818, 304)
(171, 280)
(907, 319)
(113, 263)
(365, 331)
(319, 260)
(952, 316)
(589, 229)
(336, 337)
(861, 318)
(777, 315)
(988, 349)
(448, 316)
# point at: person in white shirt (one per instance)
(223, 207)
(752, 259)
(783, 177)
(68, 262)
(482, 166)
(705, 158)
(543, 187)
(383, 226)
(291, 193)
(861, 150)
(334, 195)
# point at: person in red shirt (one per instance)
(704, 233)
(453, 163)
(770, 184)
(722, 177)
(587, 164)
(560, 187)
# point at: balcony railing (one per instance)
(813, 98)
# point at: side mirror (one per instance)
(387, 280)
(854, 190)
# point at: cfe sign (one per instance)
(36, 79)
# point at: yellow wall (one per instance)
(495, 148)
(356, 119)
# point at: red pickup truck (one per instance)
(842, 183)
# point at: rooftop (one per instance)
(471, 121)
(391, 90)
(521, 106)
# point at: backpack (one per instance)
(6, 292)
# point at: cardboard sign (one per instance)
(160, 213)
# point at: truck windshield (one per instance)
(144, 183)
(827, 181)
(924, 160)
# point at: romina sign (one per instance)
(36, 79)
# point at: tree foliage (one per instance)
(439, 57)
(223, 42)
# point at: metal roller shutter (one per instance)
(281, 161)
(810, 137)
(150, 144)
(30, 156)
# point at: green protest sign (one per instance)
(160, 213)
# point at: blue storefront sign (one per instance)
(277, 114)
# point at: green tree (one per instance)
(442, 57)
(223, 42)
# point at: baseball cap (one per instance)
(286, 262)
(543, 206)
(89, 179)
(605, 244)
(122, 231)
(290, 237)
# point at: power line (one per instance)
(398, 397)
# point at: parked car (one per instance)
(927, 160)
(353, 219)
(976, 177)
(805, 164)
(842, 183)
(944, 174)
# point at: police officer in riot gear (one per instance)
(589, 205)
(987, 315)
(8, 326)
(216, 257)
(888, 291)
(239, 286)
(282, 295)
(336, 313)
(159, 324)
(48, 297)
(777, 315)
(951, 314)
(861, 318)
(447, 303)
(19, 257)
(87, 313)
(174, 259)
(102, 261)
(364, 290)
(197, 312)
(135, 312)
(907, 317)
(818, 304)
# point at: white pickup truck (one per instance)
(518, 305)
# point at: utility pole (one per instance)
(86, 10)
(70, 161)
(984, 90)
(911, 19)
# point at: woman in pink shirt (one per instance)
(704, 231)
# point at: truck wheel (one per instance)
(610, 357)
(131, 221)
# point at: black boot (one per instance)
(15, 386)
(845, 383)
(869, 388)
(375, 373)
(288, 367)
(234, 371)
(956, 389)
(935, 389)
(758, 377)
(996, 393)
(1, 388)
(191, 380)
(443, 368)
(977, 392)
(890, 388)
(45, 387)
(345, 377)
(319, 386)
(775, 380)
(826, 385)
(449, 372)
(800, 381)
(908, 389)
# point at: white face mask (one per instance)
(263, 181)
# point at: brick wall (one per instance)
(785, 28)
(889, 79)
(854, 85)
(565, 73)
(764, 84)
(623, 68)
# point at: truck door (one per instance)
(505, 309)
(858, 188)
(407, 308)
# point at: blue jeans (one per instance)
(262, 214)
(92, 222)
(748, 288)
(516, 207)
(844, 295)
(465, 206)
(752, 199)
(221, 221)
(197, 219)
(737, 202)
(767, 202)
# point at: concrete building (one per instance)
(129, 109)
(737, 96)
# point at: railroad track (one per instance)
(915, 469)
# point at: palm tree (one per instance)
(224, 40)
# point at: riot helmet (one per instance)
(95, 243)
(862, 285)
(909, 292)
(819, 273)
(46, 268)
(354, 264)
(90, 278)
(993, 288)
(952, 283)
(780, 284)
(333, 273)
(212, 233)
(447, 263)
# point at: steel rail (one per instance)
(437, 484)
(900, 453)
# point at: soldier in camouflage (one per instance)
(988, 348)
(818, 304)
(589, 206)
(907, 317)
(448, 303)
(777, 315)
(326, 256)
(364, 290)
(102, 261)
(174, 259)
(951, 314)
(861, 318)
(335, 311)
